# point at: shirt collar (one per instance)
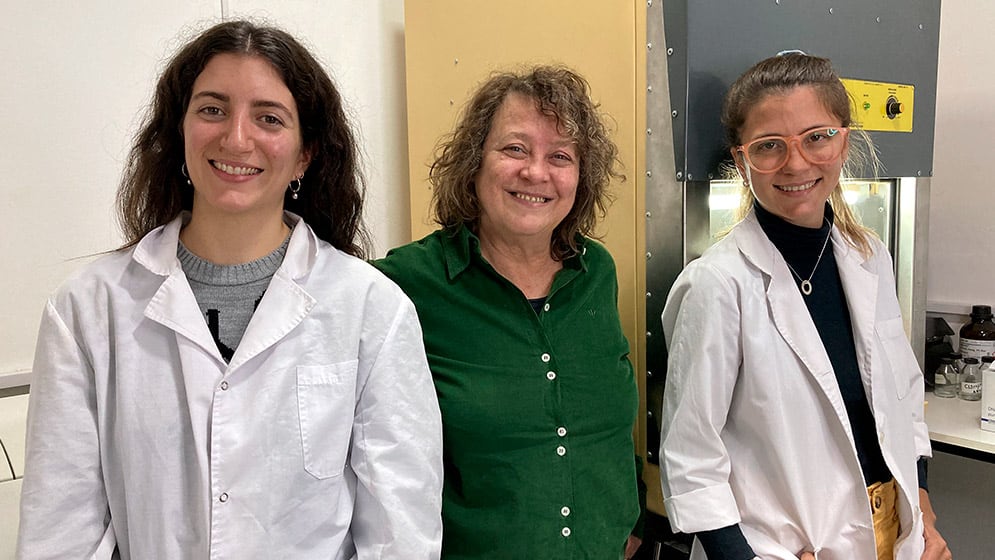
(460, 246)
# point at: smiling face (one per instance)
(242, 138)
(798, 191)
(528, 176)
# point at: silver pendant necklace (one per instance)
(806, 283)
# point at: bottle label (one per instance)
(967, 388)
(970, 348)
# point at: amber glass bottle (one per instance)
(977, 338)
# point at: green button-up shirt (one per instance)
(537, 408)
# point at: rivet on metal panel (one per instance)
(649, 89)
(649, 295)
(918, 173)
(649, 46)
(878, 19)
(690, 178)
(710, 176)
(670, 51)
(649, 3)
(680, 176)
(830, 11)
(649, 413)
(455, 61)
(648, 334)
(649, 132)
(649, 373)
(778, 2)
(649, 255)
(451, 102)
(649, 214)
(649, 173)
(673, 113)
(920, 27)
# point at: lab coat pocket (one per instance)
(904, 368)
(326, 402)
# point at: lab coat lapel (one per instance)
(173, 305)
(285, 303)
(860, 285)
(789, 313)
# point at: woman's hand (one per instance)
(807, 556)
(936, 547)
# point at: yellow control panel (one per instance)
(882, 106)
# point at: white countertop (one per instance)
(957, 422)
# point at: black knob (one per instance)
(893, 107)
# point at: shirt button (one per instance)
(224, 385)
(545, 358)
(550, 375)
(561, 451)
(561, 431)
(545, 307)
(564, 511)
(565, 531)
(877, 502)
(223, 497)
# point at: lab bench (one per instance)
(962, 476)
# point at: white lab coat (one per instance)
(754, 426)
(320, 439)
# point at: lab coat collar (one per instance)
(283, 307)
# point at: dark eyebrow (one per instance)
(225, 99)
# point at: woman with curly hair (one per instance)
(519, 313)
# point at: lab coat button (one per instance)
(224, 385)
(564, 511)
(565, 531)
(561, 451)
(561, 431)
(545, 358)
(550, 375)
(223, 497)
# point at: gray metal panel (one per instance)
(714, 41)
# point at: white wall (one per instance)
(76, 77)
(962, 201)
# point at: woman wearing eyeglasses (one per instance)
(793, 414)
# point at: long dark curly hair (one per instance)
(153, 189)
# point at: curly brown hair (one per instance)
(153, 189)
(778, 75)
(558, 92)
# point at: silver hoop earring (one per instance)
(295, 187)
(183, 170)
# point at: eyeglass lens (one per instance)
(817, 146)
